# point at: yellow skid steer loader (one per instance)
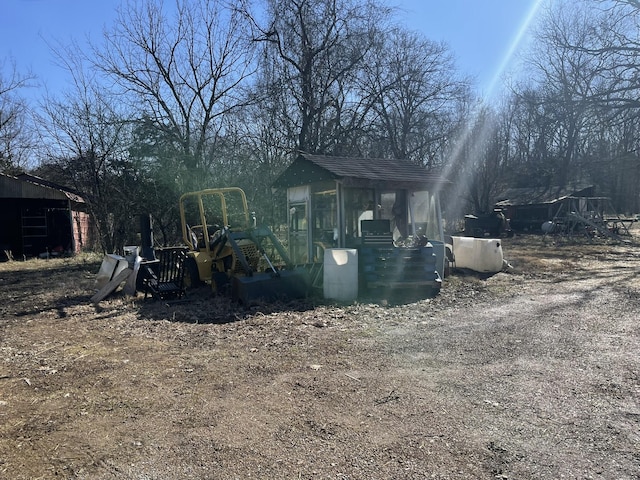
(229, 251)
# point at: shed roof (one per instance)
(309, 168)
(540, 196)
(30, 186)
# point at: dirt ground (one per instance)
(531, 373)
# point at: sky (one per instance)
(480, 33)
(484, 35)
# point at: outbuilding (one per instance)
(528, 208)
(345, 202)
(40, 218)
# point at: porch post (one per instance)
(340, 215)
(439, 216)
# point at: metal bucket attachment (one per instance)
(269, 286)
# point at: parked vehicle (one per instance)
(231, 253)
(494, 225)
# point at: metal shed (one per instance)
(528, 208)
(40, 218)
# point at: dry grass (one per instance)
(531, 373)
(87, 259)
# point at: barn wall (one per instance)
(23, 231)
(81, 231)
(37, 217)
(9, 226)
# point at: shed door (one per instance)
(298, 201)
(325, 222)
(298, 233)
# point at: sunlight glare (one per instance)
(514, 46)
(458, 158)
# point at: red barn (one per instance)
(40, 218)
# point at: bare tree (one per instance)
(489, 154)
(85, 140)
(318, 46)
(613, 27)
(577, 116)
(15, 133)
(567, 80)
(260, 141)
(611, 158)
(183, 69)
(531, 131)
(417, 95)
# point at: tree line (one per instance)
(203, 93)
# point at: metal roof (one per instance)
(309, 168)
(540, 196)
(29, 186)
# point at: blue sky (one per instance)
(479, 32)
(483, 34)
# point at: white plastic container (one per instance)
(340, 281)
(111, 266)
(478, 254)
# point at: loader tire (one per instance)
(191, 274)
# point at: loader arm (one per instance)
(259, 234)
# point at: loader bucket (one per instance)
(270, 286)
